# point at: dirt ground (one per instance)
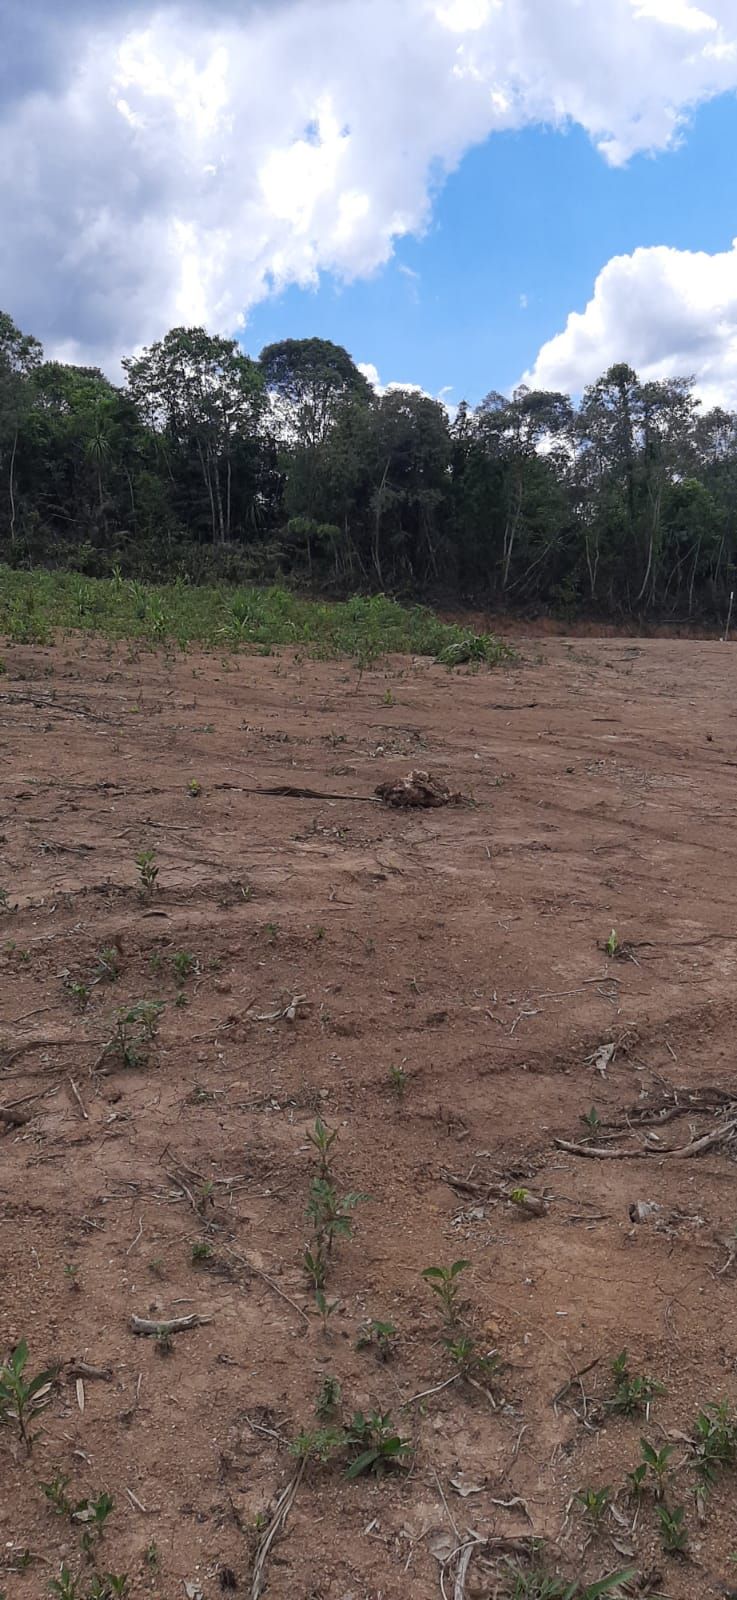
(436, 986)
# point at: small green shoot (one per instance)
(194, 788)
(673, 1530)
(21, 1400)
(612, 943)
(398, 1079)
(594, 1502)
(323, 1139)
(632, 1393)
(444, 1283)
(654, 1462)
(148, 873)
(201, 1251)
(379, 1446)
(328, 1399)
(380, 1336)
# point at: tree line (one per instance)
(208, 463)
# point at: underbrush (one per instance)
(34, 605)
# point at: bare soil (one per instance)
(335, 940)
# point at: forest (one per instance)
(208, 464)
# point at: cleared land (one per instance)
(435, 986)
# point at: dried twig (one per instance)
(78, 1098)
(283, 1507)
(168, 1324)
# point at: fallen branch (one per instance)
(707, 1141)
(168, 1324)
(283, 1507)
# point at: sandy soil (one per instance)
(462, 945)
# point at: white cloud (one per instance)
(664, 311)
(164, 162)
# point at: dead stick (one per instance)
(283, 1508)
(78, 1098)
(168, 1324)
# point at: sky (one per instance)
(465, 193)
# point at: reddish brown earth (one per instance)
(464, 945)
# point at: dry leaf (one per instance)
(80, 1394)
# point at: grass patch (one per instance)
(34, 605)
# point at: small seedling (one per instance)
(108, 1586)
(4, 900)
(331, 1213)
(715, 1441)
(183, 964)
(148, 872)
(329, 1397)
(155, 963)
(381, 1336)
(201, 1251)
(181, 1001)
(317, 1444)
(206, 1196)
(444, 1283)
(612, 943)
(673, 1530)
(93, 1514)
(656, 1462)
(323, 1139)
(594, 1502)
(71, 1273)
(151, 1556)
(65, 1586)
(325, 1308)
(314, 1265)
(135, 1028)
(398, 1081)
(80, 994)
(379, 1446)
(632, 1394)
(108, 964)
(194, 788)
(56, 1494)
(474, 1365)
(21, 1401)
(592, 1121)
(163, 1343)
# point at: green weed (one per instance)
(444, 1282)
(22, 1399)
(379, 1446)
(633, 1393)
(148, 873)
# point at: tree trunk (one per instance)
(11, 486)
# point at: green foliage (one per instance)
(379, 1446)
(673, 1530)
(633, 1393)
(655, 1463)
(715, 1441)
(329, 1397)
(594, 1502)
(148, 872)
(380, 1336)
(444, 1282)
(184, 965)
(136, 1027)
(323, 1139)
(331, 1213)
(23, 1399)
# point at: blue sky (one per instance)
(535, 213)
(275, 163)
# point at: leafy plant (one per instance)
(93, 1514)
(184, 964)
(323, 1139)
(380, 1335)
(594, 1502)
(612, 943)
(655, 1462)
(194, 788)
(65, 1586)
(715, 1441)
(331, 1212)
(108, 964)
(379, 1446)
(444, 1283)
(325, 1307)
(318, 1444)
(148, 872)
(398, 1080)
(201, 1251)
(329, 1397)
(632, 1393)
(56, 1494)
(592, 1121)
(673, 1530)
(315, 1266)
(136, 1027)
(21, 1399)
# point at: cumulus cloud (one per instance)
(164, 161)
(664, 311)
